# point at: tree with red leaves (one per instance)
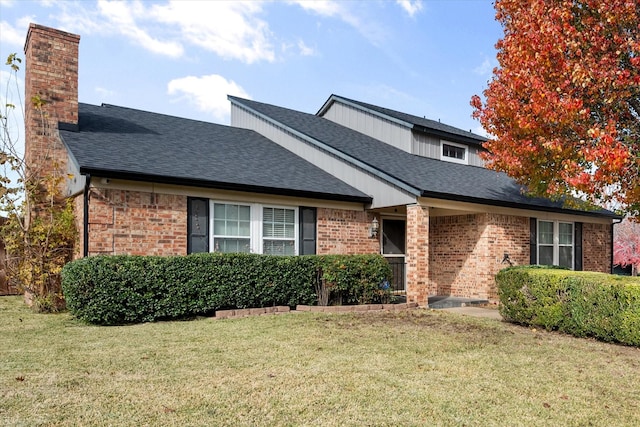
(563, 106)
(626, 245)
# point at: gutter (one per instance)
(517, 205)
(189, 182)
(85, 221)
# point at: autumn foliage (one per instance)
(626, 245)
(563, 106)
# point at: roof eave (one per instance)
(516, 205)
(449, 136)
(192, 182)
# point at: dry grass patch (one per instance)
(378, 368)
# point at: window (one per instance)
(556, 243)
(219, 226)
(452, 152)
(254, 228)
(278, 231)
(231, 228)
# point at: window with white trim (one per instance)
(254, 228)
(452, 152)
(556, 243)
(231, 228)
(278, 231)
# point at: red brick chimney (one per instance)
(51, 74)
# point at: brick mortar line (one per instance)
(245, 312)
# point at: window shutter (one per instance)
(197, 225)
(307, 231)
(577, 236)
(533, 241)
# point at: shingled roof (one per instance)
(119, 142)
(417, 123)
(418, 175)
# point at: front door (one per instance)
(393, 249)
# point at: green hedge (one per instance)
(124, 289)
(599, 305)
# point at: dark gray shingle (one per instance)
(121, 142)
(430, 177)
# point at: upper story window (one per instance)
(452, 152)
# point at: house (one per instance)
(352, 178)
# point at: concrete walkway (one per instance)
(489, 313)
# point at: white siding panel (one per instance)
(383, 193)
(370, 125)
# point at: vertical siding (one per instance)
(474, 157)
(425, 145)
(383, 193)
(392, 133)
(429, 146)
(370, 125)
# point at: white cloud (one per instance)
(484, 68)
(10, 35)
(231, 29)
(321, 7)
(104, 93)
(207, 93)
(411, 7)
(305, 50)
(123, 17)
(368, 28)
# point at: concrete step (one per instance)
(447, 301)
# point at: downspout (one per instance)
(612, 225)
(85, 222)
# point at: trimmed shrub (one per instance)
(355, 279)
(598, 305)
(122, 289)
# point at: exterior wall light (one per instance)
(373, 228)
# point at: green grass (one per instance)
(409, 368)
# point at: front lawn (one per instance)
(408, 368)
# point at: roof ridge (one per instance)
(107, 105)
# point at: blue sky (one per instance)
(182, 58)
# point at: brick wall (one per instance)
(137, 223)
(51, 73)
(596, 247)
(418, 286)
(345, 232)
(466, 252)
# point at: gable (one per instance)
(418, 176)
(415, 135)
